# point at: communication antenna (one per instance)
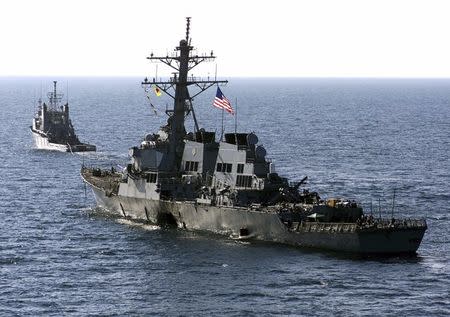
(34, 98)
(235, 116)
(393, 204)
(188, 25)
(235, 121)
(221, 133)
(85, 192)
(40, 96)
(379, 206)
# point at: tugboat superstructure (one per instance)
(52, 128)
(228, 186)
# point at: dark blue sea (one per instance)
(359, 138)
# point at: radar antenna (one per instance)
(188, 23)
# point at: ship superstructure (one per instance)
(52, 128)
(228, 186)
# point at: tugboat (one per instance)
(52, 129)
(195, 182)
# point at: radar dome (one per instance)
(252, 139)
(260, 152)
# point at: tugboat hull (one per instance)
(41, 142)
(261, 225)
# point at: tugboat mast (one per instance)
(53, 97)
(182, 62)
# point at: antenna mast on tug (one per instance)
(54, 97)
(182, 62)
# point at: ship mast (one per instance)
(53, 97)
(182, 61)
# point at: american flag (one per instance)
(222, 102)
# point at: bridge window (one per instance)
(240, 168)
(244, 181)
(151, 178)
(224, 167)
(191, 166)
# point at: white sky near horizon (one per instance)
(320, 38)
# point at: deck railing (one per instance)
(353, 227)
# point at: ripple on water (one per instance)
(359, 138)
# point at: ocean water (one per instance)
(359, 138)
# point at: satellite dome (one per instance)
(252, 139)
(260, 152)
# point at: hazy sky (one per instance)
(316, 38)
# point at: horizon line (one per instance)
(235, 77)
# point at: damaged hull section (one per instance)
(262, 225)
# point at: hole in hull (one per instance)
(166, 219)
(243, 232)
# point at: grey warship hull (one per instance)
(227, 185)
(265, 226)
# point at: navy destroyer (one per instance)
(228, 186)
(52, 128)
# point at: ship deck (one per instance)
(341, 227)
(107, 181)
